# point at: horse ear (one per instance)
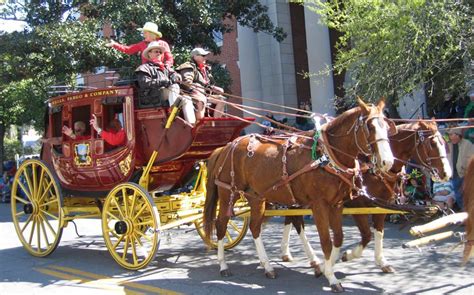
(381, 104)
(363, 105)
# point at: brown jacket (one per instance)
(191, 74)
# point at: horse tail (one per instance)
(468, 196)
(210, 205)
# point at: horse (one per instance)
(420, 141)
(468, 196)
(284, 171)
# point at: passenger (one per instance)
(150, 34)
(114, 135)
(443, 194)
(78, 132)
(155, 78)
(197, 72)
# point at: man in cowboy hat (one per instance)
(150, 34)
(197, 72)
(460, 150)
(155, 79)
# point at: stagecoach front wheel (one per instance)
(36, 202)
(130, 224)
(236, 228)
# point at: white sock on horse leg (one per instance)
(308, 249)
(285, 241)
(335, 254)
(262, 255)
(220, 255)
(329, 272)
(355, 253)
(378, 248)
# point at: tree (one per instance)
(392, 47)
(56, 46)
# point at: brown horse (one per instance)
(420, 141)
(265, 169)
(468, 196)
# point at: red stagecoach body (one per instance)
(90, 165)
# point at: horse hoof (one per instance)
(344, 257)
(225, 273)
(317, 270)
(337, 288)
(388, 269)
(271, 274)
(286, 258)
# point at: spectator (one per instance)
(459, 152)
(302, 123)
(150, 34)
(443, 194)
(5, 187)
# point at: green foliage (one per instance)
(12, 147)
(392, 47)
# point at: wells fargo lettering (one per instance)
(98, 93)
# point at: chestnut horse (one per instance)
(420, 141)
(468, 196)
(284, 171)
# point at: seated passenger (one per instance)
(443, 194)
(155, 78)
(197, 72)
(78, 132)
(114, 135)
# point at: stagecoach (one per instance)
(152, 183)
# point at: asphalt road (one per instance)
(185, 266)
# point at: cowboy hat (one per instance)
(199, 51)
(152, 28)
(154, 45)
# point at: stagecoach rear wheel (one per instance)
(130, 224)
(236, 228)
(36, 202)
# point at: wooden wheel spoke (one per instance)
(27, 192)
(112, 215)
(134, 250)
(40, 183)
(125, 249)
(229, 237)
(137, 239)
(49, 225)
(119, 209)
(145, 236)
(46, 204)
(38, 233)
(139, 211)
(44, 233)
(125, 201)
(49, 214)
(132, 206)
(21, 213)
(118, 242)
(34, 181)
(32, 230)
(26, 223)
(28, 181)
(21, 200)
(45, 191)
(234, 226)
(145, 223)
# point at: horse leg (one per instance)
(362, 222)
(256, 219)
(321, 219)
(221, 229)
(298, 223)
(285, 240)
(379, 221)
(335, 222)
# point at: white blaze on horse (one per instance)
(284, 170)
(420, 141)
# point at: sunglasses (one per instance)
(156, 51)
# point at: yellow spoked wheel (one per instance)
(36, 202)
(236, 228)
(130, 224)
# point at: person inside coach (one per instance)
(78, 133)
(114, 135)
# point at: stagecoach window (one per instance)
(82, 113)
(56, 124)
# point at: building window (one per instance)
(218, 38)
